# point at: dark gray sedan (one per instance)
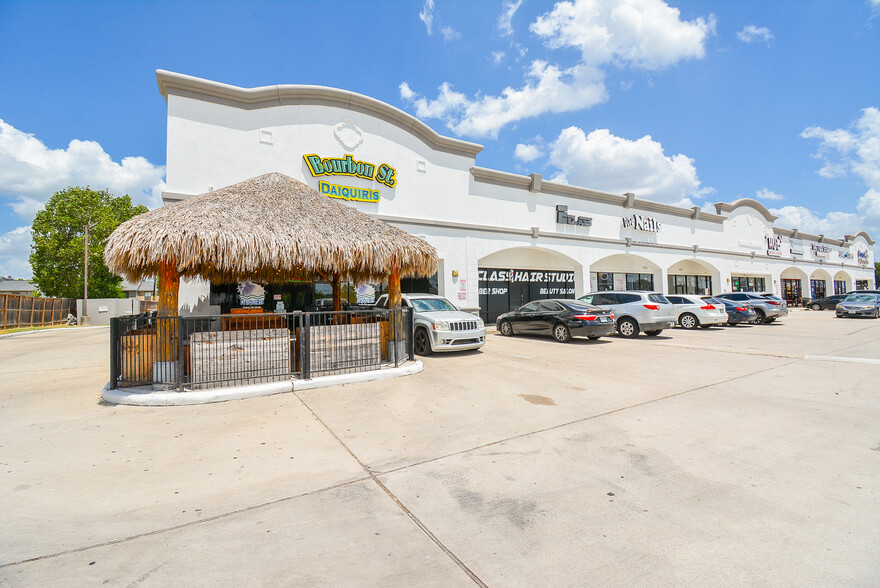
(860, 305)
(560, 318)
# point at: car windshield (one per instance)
(861, 298)
(432, 304)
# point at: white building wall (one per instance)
(475, 222)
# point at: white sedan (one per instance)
(692, 312)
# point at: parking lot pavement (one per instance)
(710, 456)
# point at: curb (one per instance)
(144, 396)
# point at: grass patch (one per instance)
(23, 329)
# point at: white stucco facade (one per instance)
(477, 218)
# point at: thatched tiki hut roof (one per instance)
(267, 229)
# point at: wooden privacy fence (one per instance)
(17, 310)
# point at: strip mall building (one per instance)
(503, 238)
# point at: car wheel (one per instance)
(653, 333)
(877, 313)
(816, 306)
(506, 328)
(421, 343)
(627, 328)
(688, 321)
(562, 333)
(594, 337)
(759, 318)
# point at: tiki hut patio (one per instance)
(267, 230)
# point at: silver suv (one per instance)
(768, 309)
(440, 326)
(636, 311)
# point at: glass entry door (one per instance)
(791, 291)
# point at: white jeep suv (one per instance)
(440, 326)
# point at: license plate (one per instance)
(604, 319)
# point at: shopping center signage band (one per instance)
(349, 166)
(774, 245)
(820, 249)
(563, 218)
(641, 223)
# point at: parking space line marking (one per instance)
(843, 359)
(512, 355)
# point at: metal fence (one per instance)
(17, 310)
(193, 353)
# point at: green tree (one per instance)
(57, 253)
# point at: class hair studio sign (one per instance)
(349, 166)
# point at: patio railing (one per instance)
(201, 352)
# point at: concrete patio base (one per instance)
(146, 396)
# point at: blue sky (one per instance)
(681, 102)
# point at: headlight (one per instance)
(480, 323)
(441, 326)
(839, 307)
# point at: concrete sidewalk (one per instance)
(710, 457)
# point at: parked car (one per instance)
(636, 310)
(562, 319)
(766, 309)
(828, 302)
(439, 326)
(692, 311)
(737, 312)
(859, 304)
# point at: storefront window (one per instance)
(700, 285)
(501, 290)
(839, 287)
(861, 284)
(604, 281)
(746, 284)
(817, 289)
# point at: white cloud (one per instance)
(30, 173)
(497, 56)
(855, 150)
(765, 194)
(427, 15)
(833, 224)
(509, 8)
(751, 33)
(646, 34)
(526, 153)
(15, 247)
(639, 34)
(616, 165)
(875, 7)
(449, 34)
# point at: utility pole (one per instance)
(85, 317)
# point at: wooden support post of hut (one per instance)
(165, 369)
(398, 337)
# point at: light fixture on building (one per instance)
(454, 273)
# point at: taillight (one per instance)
(741, 308)
(773, 302)
(707, 307)
(611, 316)
(652, 306)
(585, 317)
